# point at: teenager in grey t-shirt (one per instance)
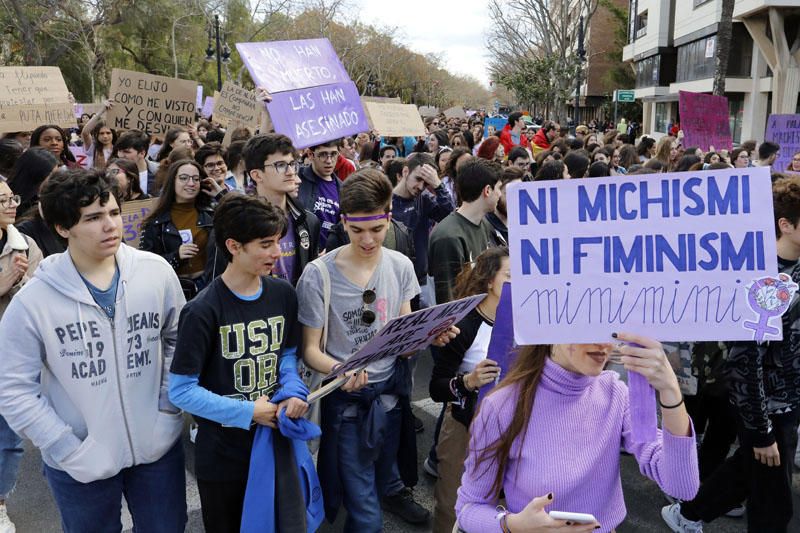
(346, 331)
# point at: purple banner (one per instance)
(199, 101)
(208, 107)
(286, 65)
(705, 121)
(784, 130)
(312, 116)
(501, 343)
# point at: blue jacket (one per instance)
(258, 514)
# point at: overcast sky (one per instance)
(455, 29)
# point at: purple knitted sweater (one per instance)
(572, 449)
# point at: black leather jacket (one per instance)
(161, 237)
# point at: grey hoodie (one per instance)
(102, 404)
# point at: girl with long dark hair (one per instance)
(460, 369)
(178, 228)
(550, 434)
(52, 138)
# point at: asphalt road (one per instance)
(32, 508)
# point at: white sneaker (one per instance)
(676, 522)
(192, 434)
(6, 525)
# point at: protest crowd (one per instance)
(209, 277)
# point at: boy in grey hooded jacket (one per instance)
(99, 324)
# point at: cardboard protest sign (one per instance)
(32, 96)
(133, 213)
(428, 111)
(318, 114)
(705, 121)
(379, 99)
(287, 65)
(497, 123)
(455, 112)
(152, 104)
(395, 120)
(784, 130)
(409, 333)
(235, 105)
(684, 256)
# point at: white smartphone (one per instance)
(578, 518)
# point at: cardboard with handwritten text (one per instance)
(236, 105)
(133, 214)
(150, 103)
(32, 96)
(395, 120)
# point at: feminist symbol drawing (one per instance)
(769, 297)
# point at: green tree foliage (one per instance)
(87, 38)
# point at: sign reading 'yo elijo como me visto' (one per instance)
(684, 256)
(150, 103)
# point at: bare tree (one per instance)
(723, 44)
(524, 30)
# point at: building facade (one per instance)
(672, 46)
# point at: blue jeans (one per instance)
(364, 481)
(10, 457)
(155, 492)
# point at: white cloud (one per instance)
(456, 30)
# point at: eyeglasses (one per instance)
(17, 199)
(218, 164)
(368, 315)
(183, 178)
(326, 155)
(281, 167)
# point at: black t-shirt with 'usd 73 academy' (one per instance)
(234, 346)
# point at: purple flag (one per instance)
(318, 114)
(285, 65)
(705, 121)
(501, 343)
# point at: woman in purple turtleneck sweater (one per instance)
(549, 436)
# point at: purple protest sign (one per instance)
(784, 130)
(318, 114)
(705, 121)
(208, 107)
(501, 343)
(671, 257)
(199, 101)
(286, 65)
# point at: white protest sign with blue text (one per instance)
(683, 256)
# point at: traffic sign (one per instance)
(621, 95)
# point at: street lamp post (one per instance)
(222, 53)
(581, 53)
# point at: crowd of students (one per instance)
(262, 267)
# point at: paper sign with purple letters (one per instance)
(286, 65)
(409, 333)
(80, 156)
(312, 116)
(784, 130)
(705, 121)
(683, 256)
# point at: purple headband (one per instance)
(365, 219)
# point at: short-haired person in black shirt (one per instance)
(237, 345)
